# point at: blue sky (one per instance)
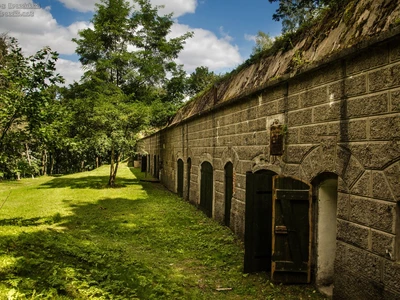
(224, 30)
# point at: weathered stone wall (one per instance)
(342, 117)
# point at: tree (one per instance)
(200, 79)
(25, 93)
(263, 42)
(295, 13)
(129, 58)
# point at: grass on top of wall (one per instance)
(72, 237)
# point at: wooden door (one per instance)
(258, 221)
(206, 188)
(291, 230)
(180, 177)
(228, 192)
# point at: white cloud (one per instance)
(225, 35)
(41, 29)
(177, 7)
(70, 70)
(249, 37)
(206, 49)
(79, 5)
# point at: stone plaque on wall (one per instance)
(276, 140)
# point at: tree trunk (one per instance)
(111, 181)
(97, 162)
(51, 163)
(82, 165)
(28, 157)
(44, 162)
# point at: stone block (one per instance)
(380, 186)
(355, 85)
(312, 134)
(352, 234)
(292, 136)
(257, 125)
(307, 168)
(242, 127)
(251, 113)
(327, 73)
(267, 109)
(395, 101)
(343, 205)
(385, 128)
(291, 170)
(394, 51)
(328, 112)
(353, 170)
(293, 102)
(366, 60)
(384, 78)
(383, 244)
(362, 186)
(300, 117)
(375, 214)
(375, 155)
(295, 153)
(367, 106)
(300, 83)
(336, 90)
(353, 130)
(314, 97)
(393, 174)
(391, 275)
(273, 93)
(365, 263)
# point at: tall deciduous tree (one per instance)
(200, 79)
(25, 94)
(294, 13)
(130, 59)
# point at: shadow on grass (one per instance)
(86, 182)
(87, 255)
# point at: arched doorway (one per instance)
(180, 178)
(258, 221)
(228, 192)
(206, 188)
(189, 170)
(325, 198)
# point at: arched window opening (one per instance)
(228, 192)
(180, 178)
(189, 170)
(206, 188)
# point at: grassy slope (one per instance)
(71, 237)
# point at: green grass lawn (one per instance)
(72, 237)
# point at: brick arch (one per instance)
(391, 173)
(333, 159)
(263, 162)
(230, 155)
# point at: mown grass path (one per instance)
(72, 237)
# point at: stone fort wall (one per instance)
(342, 117)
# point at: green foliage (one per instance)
(263, 42)
(201, 79)
(295, 13)
(72, 237)
(122, 83)
(27, 92)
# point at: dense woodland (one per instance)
(131, 86)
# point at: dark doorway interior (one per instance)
(228, 192)
(206, 188)
(180, 178)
